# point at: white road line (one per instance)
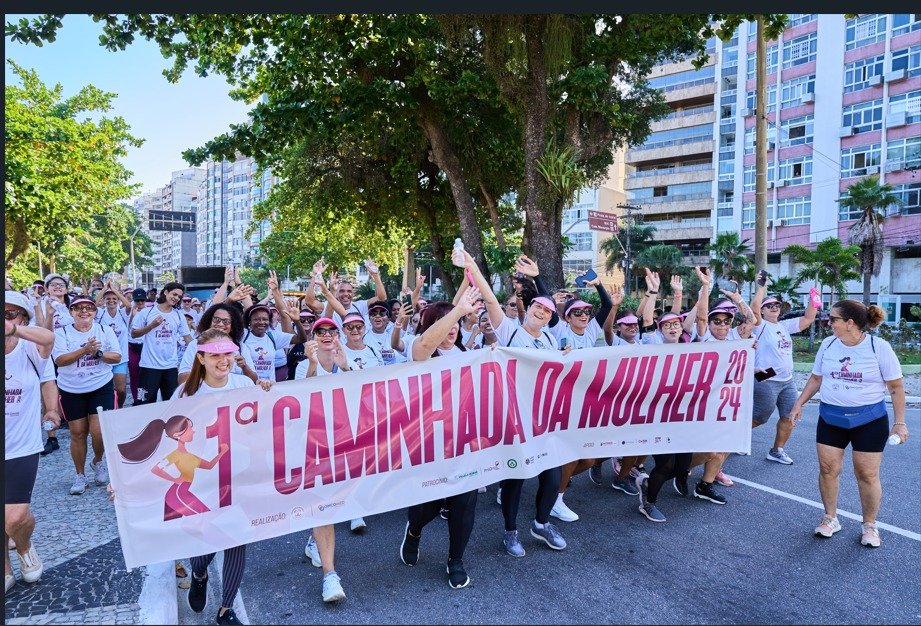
(820, 506)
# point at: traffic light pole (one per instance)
(628, 251)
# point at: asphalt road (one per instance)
(754, 560)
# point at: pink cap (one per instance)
(81, 300)
(218, 347)
(629, 319)
(666, 317)
(578, 304)
(544, 302)
(325, 321)
(770, 300)
(352, 317)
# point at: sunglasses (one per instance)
(83, 308)
(308, 320)
(325, 332)
(772, 306)
(831, 318)
(581, 313)
(353, 327)
(220, 321)
(11, 315)
(378, 313)
(512, 304)
(721, 322)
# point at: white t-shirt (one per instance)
(733, 335)
(131, 317)
(86, 373)
(300, 372)
(514, 335)
(652, 338)
(620, 341)
(381, 343)
(855, 375)
(160, 351)
(775, 347)
(234, 381)
(452, 351)
(364, 358)
(357, 306)
(196, 316)
(188, 358)
(263, 350)
(586, 340)
(119, 325)
(62, 316)
(22, 427)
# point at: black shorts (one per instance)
(20, 478)
(77, 406)
(871, 437)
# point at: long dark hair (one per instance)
(146, 443)
(197, 373)
(236, 320)
(161, 297)
(431, 314)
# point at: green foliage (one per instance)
(786, 288)
(256, 278)
(641, 237)
(664, 259)
(731, 257)
(831, 263)
(915, 311)
(561, 172)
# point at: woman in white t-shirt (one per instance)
(379, 336)
(85, 352)
(211, 373)
(853, 370)
(53, 311)
(226, 318)
(774, 350)
(264, 342)
(26, 354)
(116, 314)
(361, 355)
(161, 326)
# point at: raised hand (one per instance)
(677, 284)
(319, 267)
(593, 282)
(732, 295)
(272, 281)
(468, 302)
(703, 275)
(310, 350)
(339, 353)
(420, 278)
(526, 266)
(652, 280)
(560, 297)
(265, 384)
(228, 274)
(240, 293)
(372, 267)
(617, 295)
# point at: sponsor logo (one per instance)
(492, 468)
(529, 460)
(434, 481)
(657, 440)
(512, 463)
(643, 441)
(588, 445)
(467, 474)
(268, 519)
(297, 512)
(607, 443)
(331, 505)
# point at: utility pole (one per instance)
(134, 270)
(761, 150)
(628, 251)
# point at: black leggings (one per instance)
(151, 380)
(667, 467)
(231, 575)
(547, 490)
(460, 520)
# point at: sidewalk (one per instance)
(84, 579)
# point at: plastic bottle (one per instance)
(457, 256)
(816, 298)
(894, 440)
(47, 425)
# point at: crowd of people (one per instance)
(68, 354)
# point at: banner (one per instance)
(257, 464)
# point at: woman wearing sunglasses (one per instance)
(360, 355)
(161, 327)
(227, 319)
(774, 350)
(296, 354)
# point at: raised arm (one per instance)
(424, 346)
(380, 293)
(41, 337)
(760, 290)
(677, 293)
(703, 300)
(332, 304)
(646, 310)
(607, 305)
(417, 290)
(283, 314)
(806, 320)
(221, 294)
(493, 308)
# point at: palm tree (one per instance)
(614, 247)
(868, 195)
(731, 257)
(664, 259)
(831, 264)
(785, 288)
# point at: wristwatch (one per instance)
(98, 354)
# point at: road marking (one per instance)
(820, 506)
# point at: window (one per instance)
(576, 266)
(752, 30)
(911, 200)
(771, 54)
(863, 31)
(748, 214)
(748, 176)
(905, 23)
(907, 103)
(855, 161)
(857, 75)
(908, 59)
(574, 215)
(796, 171)
(659, 191)
(581, 242)
(796, 131)
(907, 152)
(792, 91)
(864, 116)
(771, 99)
(800, 50)
(688, 134)
(680, 80)
(750, 138)
(796, 19)
(794, 211)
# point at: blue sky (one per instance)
(169, 117)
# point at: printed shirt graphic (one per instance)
(855, 376)
(775, 347)
(160, 349)
(523, 339)
(263, 351)
(381, 343)
(586, 340)
(62, 316)
(87, 373)
(185, 462)
(362, 359)
(119, 325)
(22, 425)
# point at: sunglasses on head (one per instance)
(325, 331)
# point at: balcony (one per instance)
(671, 170)
(671, 149)
(685, 112)
(673, 176)
(694, 222)
(677, 207)
(691, 89)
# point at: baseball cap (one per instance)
(378, 305)
(628, 319)
(18, 299)
(325, 321)
(52, 276)
(81, 300)
(139, 295)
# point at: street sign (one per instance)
(171, 220)
(600, 220)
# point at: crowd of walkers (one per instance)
(68, 354)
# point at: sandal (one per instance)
(180, 570)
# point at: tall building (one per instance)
(844, 102)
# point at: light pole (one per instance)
(134, 270)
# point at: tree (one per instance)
(64, 180)
(831, 264)
(614, 247)
(785, 288)
(731, 257)
(867, 195)
(664, 259)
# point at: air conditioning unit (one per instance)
(896, 119)
(847, 131)
(770, 184)
(770, 146)
(872, 169)
(896, 75)
(782, 222)
(807, 97)
(747, 112)
(875, 81)
(781, 183)
(894, 165)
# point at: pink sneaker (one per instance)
(870, 536)
(724, 480)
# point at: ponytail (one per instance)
(863, 316)
(146, 443)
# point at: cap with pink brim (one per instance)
(629, 319)
(218, 347)
(325, 321)
(544, 302)
(353, 317)
(578, 304)
(770, 300)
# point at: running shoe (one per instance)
(100, 471)
(312, 552)
(409, 549)
(680, 483)
(198, 593)
(457, 575)
(651, 512)
(626, 485)
(30, 566)
(828, 526)
(705, 491)
(358, 526)
(870, 536)
(549, 535)
(563, 512)
(49, 446)
(229, 617)
(499, 496)
(595, 474)
(742, 453)
(332, 588)
(615, 464)
(723, 479)
(79, 485)
(512, 543)
(779, 456)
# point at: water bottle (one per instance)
(816, 298)
(457, 255)
(47, 425)
(894, 440)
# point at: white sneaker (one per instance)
(499, 496)
(30, 566)
(358, 525)
(828, 526)
(481, 490)
(563, 512)
(332, 588)
(101, 472)
(779, 456)
(79, 485)
(312, 553)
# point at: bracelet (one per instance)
(899, 424)
(651, 293)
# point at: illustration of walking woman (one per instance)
(179, 500)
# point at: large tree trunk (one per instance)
(542, 229)
(17, 242)
(427, 206)
(867, 277)
(449, 163)
(505, 277)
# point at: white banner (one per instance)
(335, 448)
